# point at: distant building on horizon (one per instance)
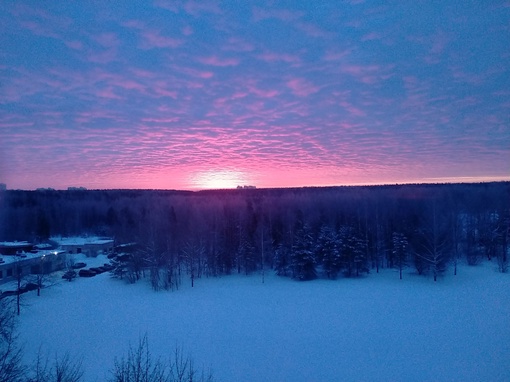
(76, 189)
(3, 187)
(246, 187)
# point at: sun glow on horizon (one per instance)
(218, 179)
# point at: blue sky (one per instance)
(199, 94)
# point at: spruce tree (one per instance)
(302, 255)
(328, 252)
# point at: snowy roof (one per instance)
(77, 240)
(29, 256)
(14, 244)
(42, 246)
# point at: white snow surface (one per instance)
(375, 328)
(79, 240)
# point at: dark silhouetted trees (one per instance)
(302, 233)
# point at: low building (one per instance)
(34, 262)
(9, 248)
(23, 258)
(90, 246)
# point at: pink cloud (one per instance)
(168, 5)
(134, 24)
(356, 24)
(302, 87)
(107, 40)
(336, 55)
(439, 43)
(187, 30)
(469, 78)
(311, 30)
(194, 72)
(107, 93)
(152, 39)
(128, 84)
(368, 74)
(76, 45)
(196, 8)
(352, 109)
(161, 90)
(142, 73)
(280, 14)
(15, 124)
(239, 95)
(88, 116)
(371, 36)
(358, 70)
(238, 45)
(219, 61)
(59, 22)
(38, 29)
(161, 120)
(270, 93)
(275, 57)
(102, 57)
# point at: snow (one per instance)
(14, 243)
(78, 240)
(29, 256)
(376, 328)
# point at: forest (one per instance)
(303, 233)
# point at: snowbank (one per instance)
(378, 328)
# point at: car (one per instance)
(86, 273)
(30, 286)
(108, 267)
(98, 270)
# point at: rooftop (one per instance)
(29, 256)
(14, 244)
(78, 240)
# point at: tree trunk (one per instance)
(18, 294)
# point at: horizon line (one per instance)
(254, 188)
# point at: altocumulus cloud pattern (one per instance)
(200, 94)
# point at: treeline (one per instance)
(301, 233)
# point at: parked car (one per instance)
(86, 273)
(78, 265)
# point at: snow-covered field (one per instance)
(377, 328)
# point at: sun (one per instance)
(218, 179)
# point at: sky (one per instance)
(214, 94)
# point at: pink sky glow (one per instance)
(193, 95)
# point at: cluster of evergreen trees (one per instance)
(302, 233)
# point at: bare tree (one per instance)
(192, 253)
(42, 278)
(63, 369)
(502, 232)
(18, 269)
(433, 243)
(11, 367)
(141, 366)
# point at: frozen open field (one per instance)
(377, 328)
